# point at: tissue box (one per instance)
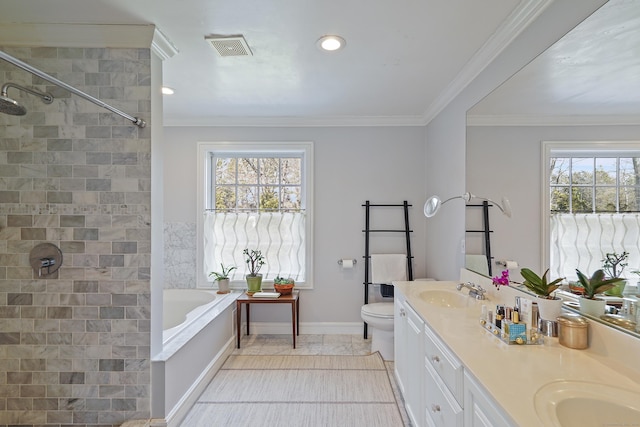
(516, 330)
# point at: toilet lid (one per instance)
(378, 309)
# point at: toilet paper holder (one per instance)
(352, 260)
(509, 264)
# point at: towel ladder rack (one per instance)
(367, 253)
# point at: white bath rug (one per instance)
(298, 391)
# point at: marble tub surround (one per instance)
(179, 255)
(74, 347)
(512, 374)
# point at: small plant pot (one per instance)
(592, 307)
(254, 283)
(285, 289)
(223, 286)
(617, 290)
(549, 309)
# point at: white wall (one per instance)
(515, 154)
(445, 134)
(352, 165)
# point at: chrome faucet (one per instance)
(475, 291)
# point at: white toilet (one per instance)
(379, 317)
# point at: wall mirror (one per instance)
(583, 88)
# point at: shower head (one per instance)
(11, 106)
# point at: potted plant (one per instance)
(549, 307)
(597, 284)
(222, 278)
(613, 265)
(255, 261)
(283, 285)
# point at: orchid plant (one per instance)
(502, 280)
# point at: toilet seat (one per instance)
(382, 310)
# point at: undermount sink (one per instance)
(581, 403)
(448, 299)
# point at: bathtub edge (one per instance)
(178, 413)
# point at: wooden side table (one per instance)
(293, 299)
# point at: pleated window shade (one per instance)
(279, 235)
(582, 240)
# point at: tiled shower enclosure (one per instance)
(74, 347)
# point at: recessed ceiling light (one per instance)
(166, 90)
(331, 43)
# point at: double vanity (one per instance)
(453, 372)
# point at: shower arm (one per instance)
(46, 98)
(136, 121)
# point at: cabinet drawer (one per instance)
(444, 363)
(442, 409)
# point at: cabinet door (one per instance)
(444, 362)
(400, 341)
(479, 409)
(441, 407)
(415, 366)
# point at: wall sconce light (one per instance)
(433, 204)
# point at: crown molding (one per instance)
(556, 120)
(525, 13)
(162, 46)
(77, 35)
(337, 121)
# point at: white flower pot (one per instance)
(592, 307)
(549, 309)
(223, 286)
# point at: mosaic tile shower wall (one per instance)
(74, 347)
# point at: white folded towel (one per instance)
(388, 267)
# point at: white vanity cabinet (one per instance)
(408, 330)
(479, 409)
(443, 384)
(436, 389)
(400, 341)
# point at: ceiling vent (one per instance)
(229, 45)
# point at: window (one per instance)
(256, 196)
(256, 184)
(607, 182)
(592, 204)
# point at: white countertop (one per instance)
(511, 373)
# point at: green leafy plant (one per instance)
(613, 264)
(596, 284)
(283, 281)
(254, 260)
(224, 274)
(539, 285)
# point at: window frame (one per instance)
(253, 149)
(572, 149)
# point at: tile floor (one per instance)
(306, 345)
(354, 345)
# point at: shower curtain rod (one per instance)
(136, 121)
